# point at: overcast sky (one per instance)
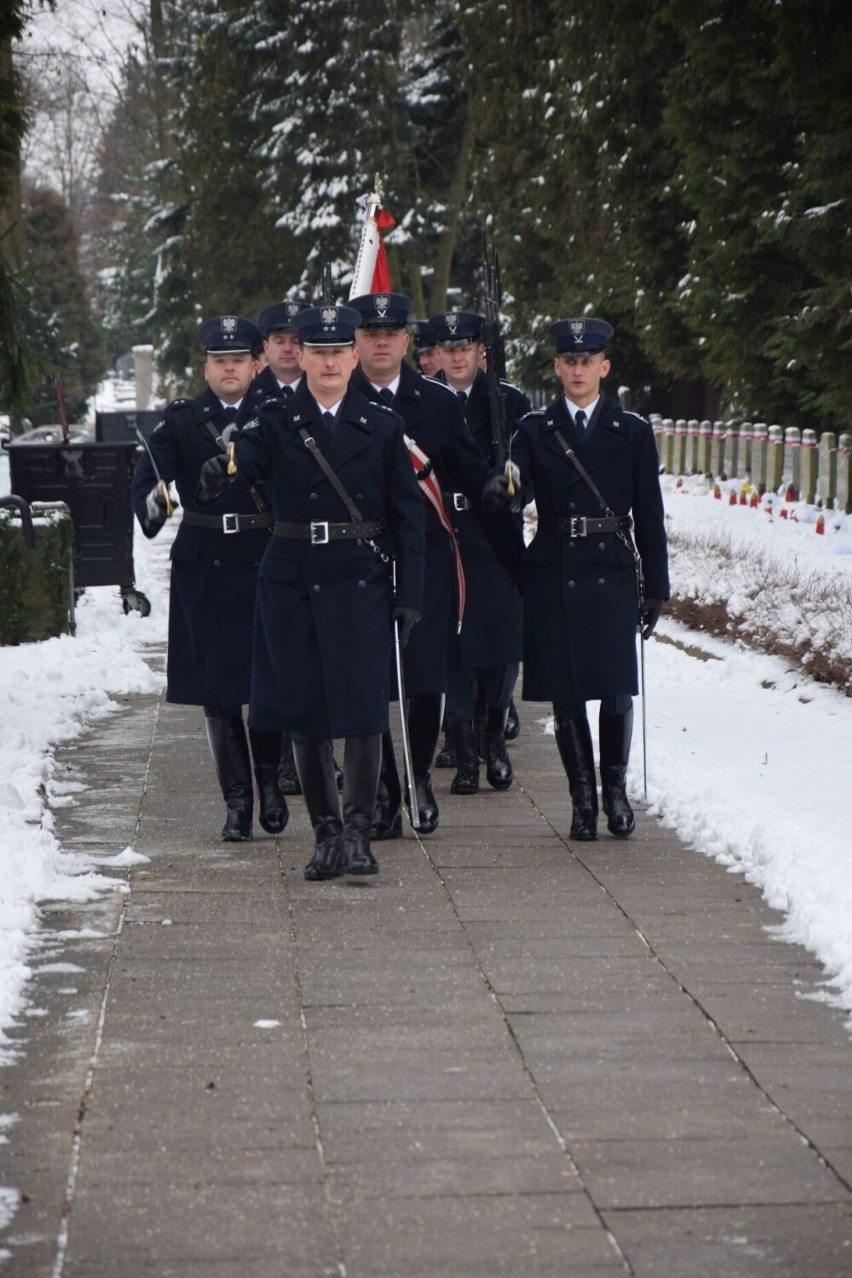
(90, 34)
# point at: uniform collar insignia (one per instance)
(363, 421)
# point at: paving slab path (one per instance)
(506, 1055)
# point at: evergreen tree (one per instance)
(61, 312)
(731, 117)
(811, 347)
(330, 98)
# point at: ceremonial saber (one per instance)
(143, 441)
(368, 250)
(413, 810)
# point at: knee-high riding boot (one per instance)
(229, 748)
(498, 768)
(574, 739)
(615, 733)
(387, 817)
(424, 726)
(266, 752)
(315, 766)
(466, 780)
(288, 776)
(362, 760)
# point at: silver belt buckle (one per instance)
(578, 526)
(231, 522)
(319, 532)
(460, 502)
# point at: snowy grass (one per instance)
(771, 603)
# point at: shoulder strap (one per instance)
(314, 448)
(622, 536)
(584, 474)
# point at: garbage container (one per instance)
(93, 479)
(120, 425)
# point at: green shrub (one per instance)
(35, 585)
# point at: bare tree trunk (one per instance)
(458, 191)
(12, 230)
(162, 94)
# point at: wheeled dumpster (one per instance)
(93, 479)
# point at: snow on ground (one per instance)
(747, 759)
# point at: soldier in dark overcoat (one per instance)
(325, 598)
(485, 657)
(282, 372)
(214, 563)
(434, 420)
(424, 351)
(280, 377)
(582, 569)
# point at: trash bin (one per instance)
(93, 479)
(121, 425)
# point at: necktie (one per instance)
(462, 396)
(328, 418)
(580, 422)
(230, 414)
(287, 392)
(386, 396)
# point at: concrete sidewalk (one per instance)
(506, 1055)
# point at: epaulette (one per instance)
(181, 412)
(510, 385)
(255, 421)
(385, 408)
(534, 412)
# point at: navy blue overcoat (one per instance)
(580, 593)
(323, 633)
(213, 573)
(434, 419)
(492, 631)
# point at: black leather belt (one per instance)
(320, 532)
(581, 526)
(455, 501)
(232, 522)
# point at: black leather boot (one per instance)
(615, 734)
(229, 748)
(446, 756)
(498, 768)
(466, 780)
(574, 739)
(315, 766)
(513, 722)
(387, 816)
(266, 752)
(288, 777)
(362, 760)
(424, 726)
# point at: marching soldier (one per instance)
(283, 372)
(592, 464)
(424, 351)
(280, 377)
(214, 562)
(434, 420)
(345, 500)
(486, 655)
